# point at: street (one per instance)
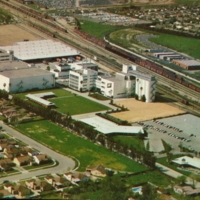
(65, 163)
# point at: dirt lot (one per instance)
(9, 34)
(140, 111)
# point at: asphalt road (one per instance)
(65, 163)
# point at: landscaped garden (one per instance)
(69, 144)
(69, 103)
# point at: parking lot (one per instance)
(174, 130)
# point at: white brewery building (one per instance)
(123, 84)
(18, 76)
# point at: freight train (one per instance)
(37, 15)
(144, 62)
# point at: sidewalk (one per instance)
(175, 174)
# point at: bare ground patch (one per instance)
(140, 111)
(10, 34)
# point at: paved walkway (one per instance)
(65, 163)
(175, 174)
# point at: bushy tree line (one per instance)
(88, 131)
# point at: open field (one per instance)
(69, 103)
(140, 111)
(186, 45)
(69, 144)
(96, 29)
(9, 34)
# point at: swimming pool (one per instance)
(137, 189)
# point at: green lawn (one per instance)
(130, 140)
(154, 177)
(186, 45)
(77, 105)
(96, 29)
(85, 151)
(68, 102)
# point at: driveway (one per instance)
(65, 163)
(175, 174)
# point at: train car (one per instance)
(192, 87)
(197, 89)
(178, 80)
(159, 71)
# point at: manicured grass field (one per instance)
(96, 29)
(68, 102)
(69, 144)
(77, 105)
(130, 140)
(186, 45)
(154, 177)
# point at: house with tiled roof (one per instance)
(3, 146)
(13, 150)
(41, 158)
(22, 160)
(6, 164)
(6, 194)
(186, 190)
(76, 178)
(38, 185)
(97, 170)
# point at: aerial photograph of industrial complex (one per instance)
(100, 99)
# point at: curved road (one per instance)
(65, 163)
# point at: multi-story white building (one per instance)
(124, 84)
(120, 85)
(145, 84)
(82, 80)
(61, 70)
(19, 77)
(6, 55)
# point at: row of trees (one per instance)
(167, 31)
(85, 130)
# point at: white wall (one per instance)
(6, 81)
(27, 83)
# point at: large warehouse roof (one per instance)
(189, 62)
(10, 65)
(40, 49)
(28, 72)
(106, 127)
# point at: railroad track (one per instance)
(85, 46)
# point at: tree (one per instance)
(148, 193)
(113, 189)
(181, 180)
(169, 157)
(48, 68)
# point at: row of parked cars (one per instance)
(167, 126)
(164, 131)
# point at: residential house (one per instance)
(22, 160)
(6, 194)
(3, 146)
(41, 158)
(21, 191)
(32, 152)
(97, 171)
(186, 190)
(6, 164)
(75, 178)
(12, 150)
(60, 182)
(38, 185)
